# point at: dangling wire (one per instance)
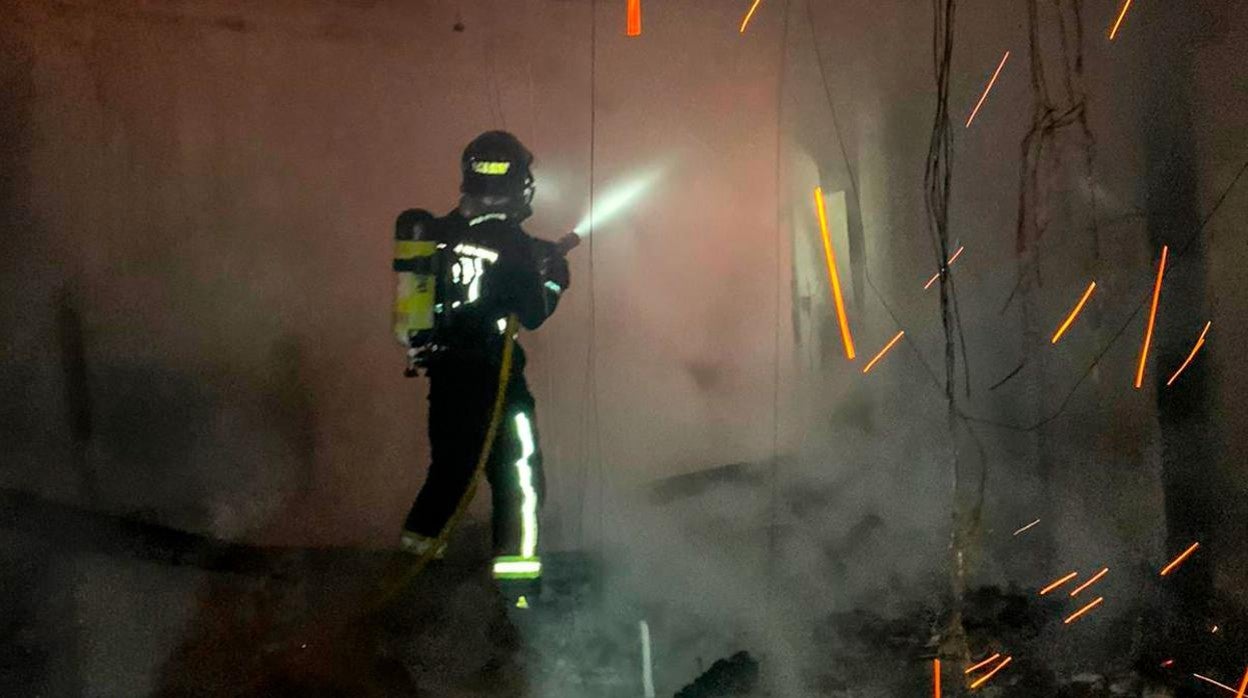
(775, 377)
(591, 357)
(528, 69)
(937, 179)
(491, 68)
(493, 102)
(1051, 116)
(1177, 258)
(593, 294)
(853, 182)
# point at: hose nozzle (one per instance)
(567, 243)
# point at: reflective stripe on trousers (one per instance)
(526, 565)
(524, 472)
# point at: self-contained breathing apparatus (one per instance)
(416, 308)
(438, 278)
(441, 280)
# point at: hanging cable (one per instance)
(937, 177)
(775, 376)
(1177, 259)
(528, 67)
(1050, 117)
(593, 294)
(591, 383)
(853, 182)
(498, 97)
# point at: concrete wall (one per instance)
(195, 291)
(207, 190)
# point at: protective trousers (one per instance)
(461, 399)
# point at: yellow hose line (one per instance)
(496, 416)
(388, 592)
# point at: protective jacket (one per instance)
(483, 270)
(465, 276)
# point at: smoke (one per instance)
(224, 213)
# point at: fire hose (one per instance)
(563, 246)
(491, 432)
(391, 587)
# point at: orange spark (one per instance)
(1058, 583)
(1090, 582)
(1170, 567)
(634, 18)
(749, 14)
(984, 679)
(1199, 343)
(1167, 664)
(936, 678)
(846, 338)
(948, 264)
(988, 89)
(1084, 610)
(1074, 313)
(1024, 528)
(1215, 683)
(1117, 23)
(883, 351)
(983, 664)
(1243, 686)
(1152, 318)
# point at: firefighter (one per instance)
(459, 278)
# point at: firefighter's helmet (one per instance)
(496, 163)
